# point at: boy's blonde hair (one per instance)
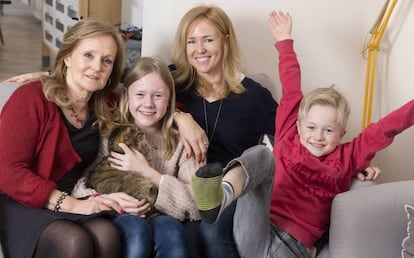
(326, 97)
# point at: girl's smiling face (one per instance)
(148, 100)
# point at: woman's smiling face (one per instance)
(204, 48)
(90, 64)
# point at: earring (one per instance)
(108, 82)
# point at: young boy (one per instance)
(312, 166)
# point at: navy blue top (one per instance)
(243, 119)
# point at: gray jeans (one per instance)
(255, 235)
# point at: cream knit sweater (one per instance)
(175, 196)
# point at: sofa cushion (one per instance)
(408, 242)
(6, 89)
(371, 221)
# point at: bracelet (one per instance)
(59, 201)
(95, 195)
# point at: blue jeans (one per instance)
(136, 236)
(169, 237)
(161, 236)
(217, 239)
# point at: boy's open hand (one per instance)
(280, 24)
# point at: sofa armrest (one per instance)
(358, 184)
(371, 221)
(6, 89)
(322, 245)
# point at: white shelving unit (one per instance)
(59, 15)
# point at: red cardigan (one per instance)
(35, 148)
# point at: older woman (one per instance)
(49, 133)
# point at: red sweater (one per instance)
(35, 149)
(305, 185)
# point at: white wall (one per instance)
(132, 12)
(329, 36)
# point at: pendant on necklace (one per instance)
(210, 136)
(75, 116)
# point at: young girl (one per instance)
(148, 101)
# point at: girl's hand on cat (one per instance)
(130, 204)
(134, 160)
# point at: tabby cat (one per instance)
(105, 179)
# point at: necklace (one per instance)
(75, 116)
(210, 137)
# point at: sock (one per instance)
(211, 194)
(228, 194)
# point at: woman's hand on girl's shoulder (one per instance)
(192, 136)
(21, 78)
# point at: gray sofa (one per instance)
(370, 222)
(5, 90)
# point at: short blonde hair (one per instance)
(185, 74)
(326, 97)
(142, 67)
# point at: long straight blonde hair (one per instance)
(142, 67)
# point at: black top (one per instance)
(242, 120)
(85, 141)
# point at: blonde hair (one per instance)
(326, 97)
(185, 74)
(55, 87)
(142, 67)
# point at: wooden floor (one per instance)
(22, 49)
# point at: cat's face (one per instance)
(128, 134)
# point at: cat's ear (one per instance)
(129, 132)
